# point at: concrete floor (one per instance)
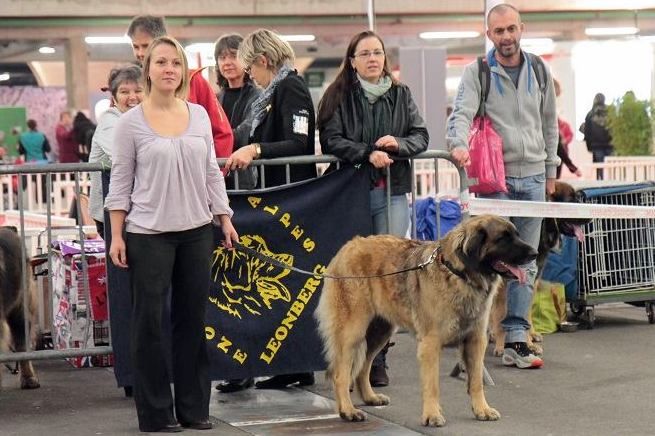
(594, 382)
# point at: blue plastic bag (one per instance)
(426, 218)
(562, 267)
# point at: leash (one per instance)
(268, 259)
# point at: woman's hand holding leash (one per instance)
(227, 228)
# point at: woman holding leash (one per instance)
(368, 117)
(165, 190)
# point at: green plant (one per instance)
(630, 123)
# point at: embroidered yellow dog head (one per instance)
(249, 285)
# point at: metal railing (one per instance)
(432, 173)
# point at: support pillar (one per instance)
(77, 73)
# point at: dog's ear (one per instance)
(472, 246)
(12, 228)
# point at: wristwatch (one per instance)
(258, 150)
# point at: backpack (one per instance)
(484, 75)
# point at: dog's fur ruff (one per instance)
(12, 316)
(356, 317)
(551, 231)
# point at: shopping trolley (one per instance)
(616, 262)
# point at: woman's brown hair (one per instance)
(346, 79)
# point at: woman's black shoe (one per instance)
(168, 428)
(235, 385)
(282, 381)
(205, 424)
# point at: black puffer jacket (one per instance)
(240, 112)
(241, 123)
(352, 131)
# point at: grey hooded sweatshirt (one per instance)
(529, 135)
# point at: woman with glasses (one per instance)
(282, 117)
(236, 95)
(367, 117)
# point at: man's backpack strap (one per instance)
(541, 74)
(539, 71)
(484, 75)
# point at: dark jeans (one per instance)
(179, 260)
(598, 155)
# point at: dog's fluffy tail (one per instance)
(327, 315)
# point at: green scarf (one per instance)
(375, 91)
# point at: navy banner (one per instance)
(260, 316)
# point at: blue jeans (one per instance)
(519, 296)
(399, 213)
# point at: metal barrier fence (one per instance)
(433, 174)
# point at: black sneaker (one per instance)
(518, 354)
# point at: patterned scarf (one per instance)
(377, 90)
(260, 107)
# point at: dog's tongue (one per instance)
(518, 272)
(579, 233)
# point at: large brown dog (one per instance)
(445, 302)
(12, 316)
(551, 231)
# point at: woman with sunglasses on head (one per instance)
(367, 117)
(282, 117)
(165, 191)
(281, 124)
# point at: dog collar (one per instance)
(447, 265)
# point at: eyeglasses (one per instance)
(367, 54)
(247, 69)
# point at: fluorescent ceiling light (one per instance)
(647, 38)
(108, 39)
(298, 38)
(46, 50)
(610, 31)
(4, 76)
(448, 35)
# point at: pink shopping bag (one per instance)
(487, 170)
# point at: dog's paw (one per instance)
(487, 414)
(499, 350)
(433, 420)
(29, 383)
(355, 415)
(537, 337)
(377, 400)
